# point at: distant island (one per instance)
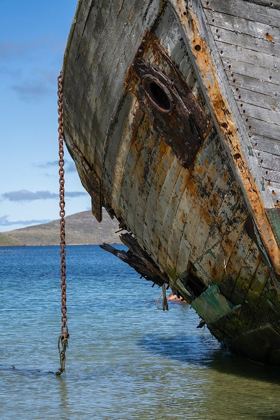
(81, 229)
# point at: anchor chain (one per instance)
(63, 339)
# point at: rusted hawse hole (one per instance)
(158, 94)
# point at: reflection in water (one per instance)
(197, 350)
(64, 411)
(233, 387)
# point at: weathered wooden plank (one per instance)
(213, 255)
(261, 313)
(130, 184)
(75, 37)
(210, 147)
(253, 84)
(198, 227)
(151, 228)
(143, 176)
(246, 274)
(275, 193)
(235, 227)
(268, 3)
(140, 208)
(268, 154)
(259, 113)
(108, 91)
(169, 195)
(82, 105)
(249, 312)
(229, 324)
(169, 34)
(239, 8)
(255, 98)
(163, 202)
(228, 207)
(118, 146)
(195, 216)
(239, 53)
(235, 68)
(84, 60)
(174, 244)
(233, 265)
(245, 41)
(268, 161)
(258, 284)
(208, 234)
(184, 251)
(262, 128)
(120, 160)
(243, 26)
(266, 144)
(152, 161)
(128, 174)
(171, 211)
(200, 242)
(189, 231)
(155, 188)
(230, 219)
(272, 177)
(274, 219)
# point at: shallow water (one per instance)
(126, 359)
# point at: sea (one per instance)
(126, 359)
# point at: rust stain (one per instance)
(229, 133)
(269, 37)
(85, 49)
(199, 169)
(130, 17)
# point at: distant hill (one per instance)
(81, 229)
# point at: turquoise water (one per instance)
(126, 359)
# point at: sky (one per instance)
(33, 36)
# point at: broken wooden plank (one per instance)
(138, 259)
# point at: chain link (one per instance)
(64, 328)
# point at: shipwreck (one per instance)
(171, 114)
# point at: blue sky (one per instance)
(33, 35)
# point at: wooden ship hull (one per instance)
(171, 115)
